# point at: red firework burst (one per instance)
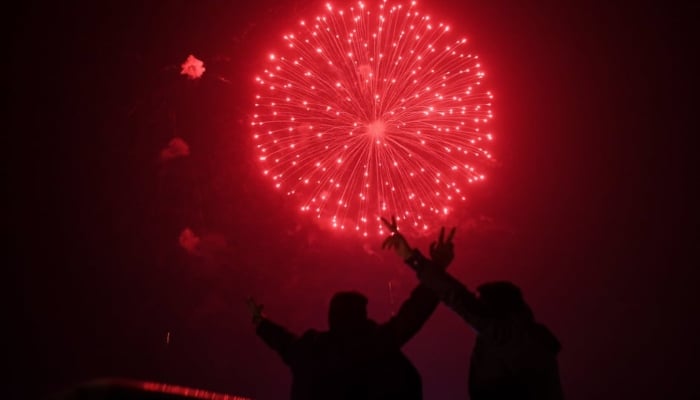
(373, 113)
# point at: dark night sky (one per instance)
(590, 211)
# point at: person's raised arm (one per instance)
(274, 335)
(416, 310)
(453, 293)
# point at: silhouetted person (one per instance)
(515, 357)
(356, 358)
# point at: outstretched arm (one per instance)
(432, 275)
(453, 293)
(274, 335)
(416, 310)
(412, 315)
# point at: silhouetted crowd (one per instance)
(515, 357)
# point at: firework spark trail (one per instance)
(367, 113)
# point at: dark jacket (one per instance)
(514, 356)
(364, 363)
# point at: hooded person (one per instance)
(515, 357)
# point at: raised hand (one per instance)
(396, 240)
(442, 252)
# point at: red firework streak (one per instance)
(368, 113)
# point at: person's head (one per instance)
(503, 298)
(347, 310)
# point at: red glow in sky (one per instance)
(373, 110)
